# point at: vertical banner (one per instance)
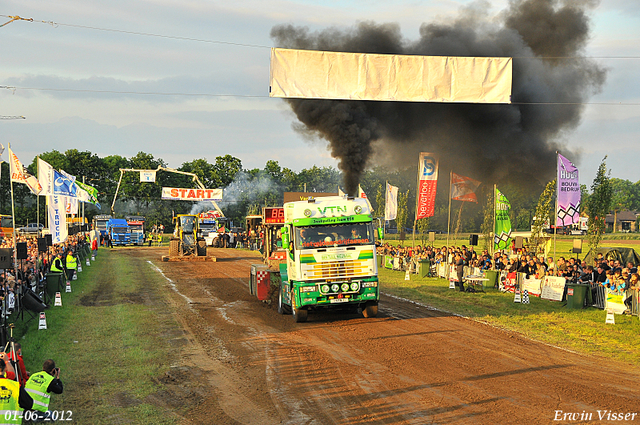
(391, 202)
(427, 185)
(568, 193)
(502, 232)
(57, 223)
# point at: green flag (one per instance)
(502, 238)
(92, 191)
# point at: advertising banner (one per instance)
(383, 77)
(568, 193)
(57, 222)
(502, 232)
(553, 288)
(533, 286)
(427, 185)
(182, 194)
(147, 176)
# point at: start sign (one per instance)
(181, 194)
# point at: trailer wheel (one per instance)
(202, 248)
(174, 247)
(300, 315)
(371, 310)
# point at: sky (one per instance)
(210, 59)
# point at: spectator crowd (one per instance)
(610, 273)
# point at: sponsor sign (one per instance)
(181, 194)
(427, 184)
(147, 176)
(553, 288)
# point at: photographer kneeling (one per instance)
(41, 385)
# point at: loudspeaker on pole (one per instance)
(21, 250)
(519, 242)
(6, 255)
(49, 240)
(473, 239)
(42, 245)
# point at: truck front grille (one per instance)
(337, 269)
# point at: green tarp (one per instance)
(624, 255)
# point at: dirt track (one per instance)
(243, 363)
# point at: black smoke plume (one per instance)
(489, 142)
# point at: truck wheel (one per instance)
(282, 307)
(174, 247)
(202, 248)
(371, 310)
(300, 315)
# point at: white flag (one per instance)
(19, 174)
(45, 177)
(71, 205)
(391, 202)
(361, 194)
(57, 220)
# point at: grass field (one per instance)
(109, 341)
(582, 331)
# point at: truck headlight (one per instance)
(325, 288)
(345, 287)
(355, 286)
(335, 287)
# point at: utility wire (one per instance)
(13, 88)
(202, 40)
(146, 34)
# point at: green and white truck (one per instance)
(331, 257)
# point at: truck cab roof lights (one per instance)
(311, 200)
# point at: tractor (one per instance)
(187, 239)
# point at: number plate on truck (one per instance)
(339, 300)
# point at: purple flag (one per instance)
(568, 193)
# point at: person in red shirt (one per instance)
(24, 375)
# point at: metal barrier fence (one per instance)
(599, 295)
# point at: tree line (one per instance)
(247, 191)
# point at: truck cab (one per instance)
(119, 231)
(331, 257)
(136, 224)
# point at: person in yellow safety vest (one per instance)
(41, 385)
(56, 264)
(13, 398)
(72, 265)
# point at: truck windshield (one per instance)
(208, 227)
(187, 224)
(334, 235)
(120, 230)
(136, 227)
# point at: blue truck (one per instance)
(119, 231)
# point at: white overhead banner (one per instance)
(406, 78)
(181, 194)
(148, 176)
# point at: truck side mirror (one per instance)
(284, 235)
